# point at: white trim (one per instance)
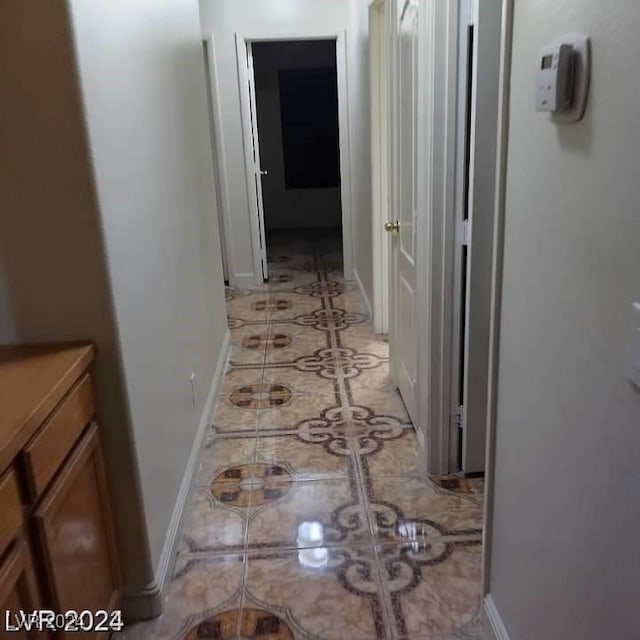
(496, 284)
(380, 157)
(250, 163)
(147, 602)
(243, 280)
(363, 293)
(257, 164)
(492, 620)
(436, 202)
(220, 160)
(343, 126)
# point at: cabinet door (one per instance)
(76, 534)
(18, 592)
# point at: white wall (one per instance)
(359, 130)
(289, 208)
(223, 18)
(111, 235)
(56, 286)
(143, 82)
(566, 522)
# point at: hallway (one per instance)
(310, 513)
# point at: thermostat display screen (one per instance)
(547, 61)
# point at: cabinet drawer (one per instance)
(10, 508)
(18, 590)
(46, 451)
(76, 535)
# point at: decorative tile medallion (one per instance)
(241, 624)
(272, 305)
(260, 396)
(326, 319)
(251, 484)
(328, 363)
(324, 288)
(261, 341)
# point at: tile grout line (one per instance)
(360, 480)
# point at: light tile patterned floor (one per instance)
(312, 518)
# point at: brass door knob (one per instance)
(391, 226)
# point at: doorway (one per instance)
(479, 41)
(444, 76)
(293, 112)
(296, 97)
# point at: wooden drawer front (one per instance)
(10, 508)
(52, 444)
(76, 534)
(18, 591)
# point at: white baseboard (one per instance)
(363, 293)
(147, 602)
(492, 620)
(244, 280)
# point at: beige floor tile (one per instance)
(434, 590)
(289, 342)
(249, 344)
(235, 378)
(322, 593)
(288, 305)
(229, 419)
(361, 338)
(421, 511)
(472, 488)
(211, 525)
(299, 396)
(311, 456)
(311, 514)
(201, 587)
(397, 456)
(286, 278)
(221, 454)
(249, 307)
(350, 300)
(375, 390)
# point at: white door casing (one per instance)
(253, 169)
(432, 186)
(379, 60)
(217, 147)
(481, 243)
(246, 87)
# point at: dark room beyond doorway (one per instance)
(297, 121)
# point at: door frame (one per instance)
(499, 215)
(219, 154)
(435, 221)
(380, 96)
(243, 40)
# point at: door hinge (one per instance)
(460, 417)
(465, 233)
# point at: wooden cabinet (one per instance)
(18, 590)
(75, 532)
(54, 498)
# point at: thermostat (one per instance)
(555, 78)
(562, 78)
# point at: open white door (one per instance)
(253, 168)
(404, 348)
